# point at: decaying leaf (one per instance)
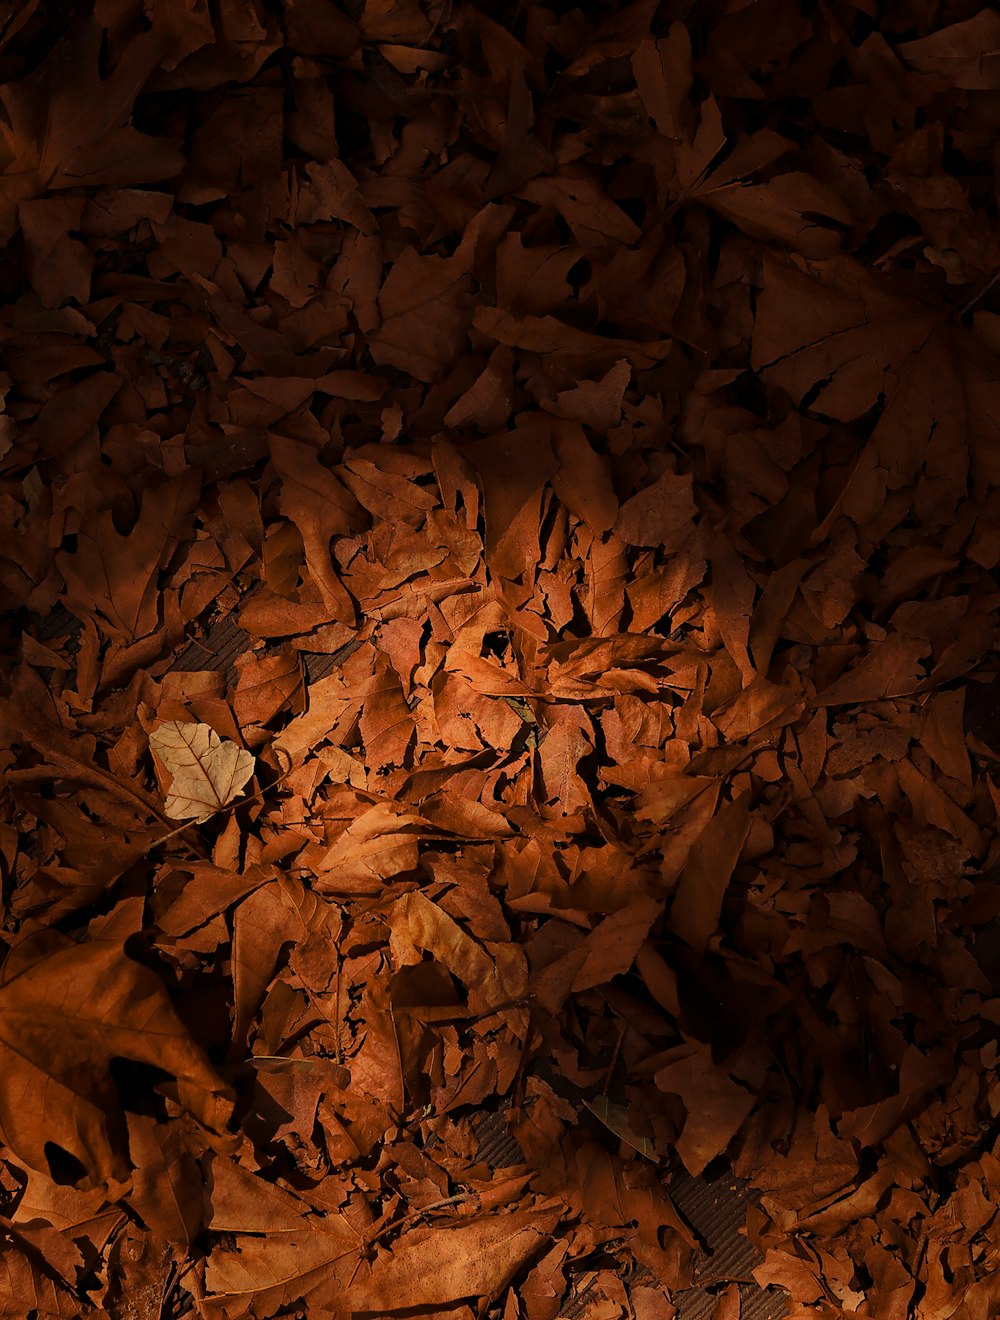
(207, 772)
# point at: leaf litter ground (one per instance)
(500, 524)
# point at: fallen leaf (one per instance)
(615, 1119)
(207, 772)
(65, 1012)
(439, 1267)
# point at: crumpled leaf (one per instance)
(207, 772)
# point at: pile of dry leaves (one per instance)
(500, 508)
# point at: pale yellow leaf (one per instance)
(207, 772)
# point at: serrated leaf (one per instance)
(207, 772)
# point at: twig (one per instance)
(415, 1214)
(976, 297)
(230, 806)
(614, 1058)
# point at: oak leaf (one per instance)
(274, 1250)
(65, 1013)
(207, 772)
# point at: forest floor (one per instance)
(499, 519)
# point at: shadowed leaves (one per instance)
(66, 1012)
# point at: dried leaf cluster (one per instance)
(500, 518)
